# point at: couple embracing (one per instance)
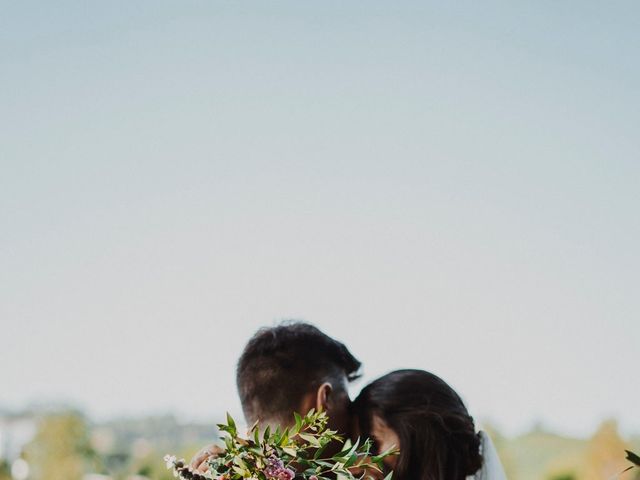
(294, 367)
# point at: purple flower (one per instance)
(274, 466)
(288, 474)
(276, 470)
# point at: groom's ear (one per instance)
(323, 396)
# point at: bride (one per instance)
(422, 416)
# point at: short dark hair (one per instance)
(438, 440)
(281, 364)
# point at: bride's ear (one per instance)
(322, 396)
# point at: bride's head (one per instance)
(426, 420)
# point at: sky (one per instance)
(451, 186)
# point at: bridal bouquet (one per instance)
(292, 453)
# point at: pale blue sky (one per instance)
(448, 187)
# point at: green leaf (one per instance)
(228, 443)
(351, 461)
(389, 451)
(354, 448)
(298, 418)
(310, 439)
(633, 458)
(285, 438)
(319, 452)
(256, 451)
(346, 446)
(225, 428)
(277, 435)
(232, 424)
(254, 426)
(388, 477)
(366, 446)
(290, 451)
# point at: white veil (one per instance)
(491, 464)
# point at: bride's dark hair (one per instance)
(437, 435)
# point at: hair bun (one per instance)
(474, 457)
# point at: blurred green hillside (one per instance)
(544, 455)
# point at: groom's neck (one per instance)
(272, 423)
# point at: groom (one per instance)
(292, 367)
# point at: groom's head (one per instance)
(294, 367)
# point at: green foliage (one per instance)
(60, 449)
(285, 454)
(5, 470)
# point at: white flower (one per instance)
(170, 461)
